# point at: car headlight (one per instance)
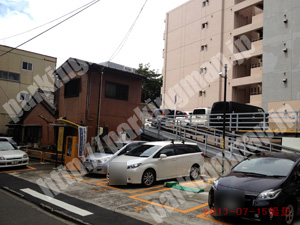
(25, 156)
(103, 160)
(269, 194)
(215, 184)
(2, 158)
(133, 166)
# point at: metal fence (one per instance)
(209, 138)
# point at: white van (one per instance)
(154, 161)
(200, 117)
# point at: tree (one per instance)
(152, 85)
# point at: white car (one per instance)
(154, 161)
(10, 156)
(97, 162)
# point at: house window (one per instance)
(116, 91)
(5, 75)
(27, 66)
(72, 88)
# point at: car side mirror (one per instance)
(163, 156)
(18, 147)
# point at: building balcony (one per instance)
(256, 50)
(256, 70)
(246, 80)
(256, 24)
(243, 4)
(256, 100)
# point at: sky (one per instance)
(94, 34)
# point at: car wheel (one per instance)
(195, 172)
(148, 178)
(289, 216)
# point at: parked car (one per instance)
(244, 116)
(9, 139)
(97, 162)
(154, 161)
(199, 117)
(10, 156)
(264, 187)
(166, 116)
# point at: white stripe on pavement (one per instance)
(56, 202)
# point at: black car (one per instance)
(264, 187)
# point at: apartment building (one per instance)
(22, 73)
(257, 39)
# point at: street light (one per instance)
(224, 114)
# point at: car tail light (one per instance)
(186, 115)
(202, 154)
(163, 113)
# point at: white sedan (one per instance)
(154, 161)
(10, 156)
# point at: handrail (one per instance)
(51, 153)
(42, 155)
(32, 150)
(211, 137)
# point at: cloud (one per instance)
(14, 7)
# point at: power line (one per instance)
(89, 5)
(15, 35)
(127, 34)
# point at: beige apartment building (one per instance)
(257, 39)
(22, 73)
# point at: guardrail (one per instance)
(209, 138)
(59, 155)
(42, 155)
(261, 121)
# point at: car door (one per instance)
(293, 187)
(183, 159)
(167, 166)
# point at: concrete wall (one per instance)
(279, 65)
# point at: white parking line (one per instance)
(56, 202)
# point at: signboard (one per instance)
(82, 136)
(60, 140)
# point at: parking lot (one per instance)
(154, 205)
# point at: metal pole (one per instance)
(224, 118)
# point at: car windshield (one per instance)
(143, 150)
(267, 166)
(5, 146)
(111, 148)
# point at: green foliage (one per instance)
(152, 85)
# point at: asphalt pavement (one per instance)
(14, 210)
(62, 204)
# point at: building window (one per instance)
(72, 88)
(203, 47)
(116, 91)
(27, 66)
(5, 75)
(204, 25)
(204, 3)
(24, 97)
(202, 70)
